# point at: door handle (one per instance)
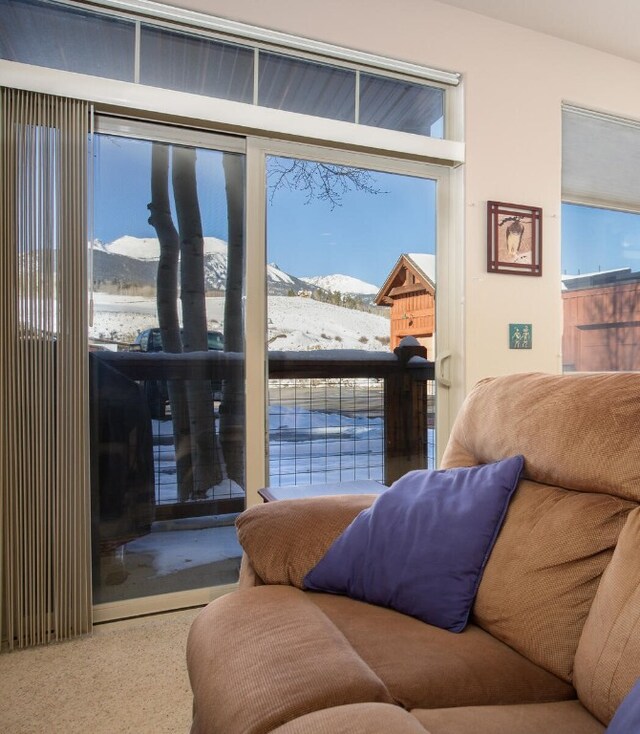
(441, 377)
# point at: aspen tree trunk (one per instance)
(232, 407)
(167, 304)
(206, 470)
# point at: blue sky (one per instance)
(363, 238)
(123, 189)
(598, 239)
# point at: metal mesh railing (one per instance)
(325, 430)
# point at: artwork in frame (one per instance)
(514, 238)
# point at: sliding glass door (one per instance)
(352, 327)
(246, 335)
(167, 360)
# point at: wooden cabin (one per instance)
(601, 314)
(410, 292)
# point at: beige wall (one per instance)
(514, 83)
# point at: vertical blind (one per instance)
(44, 433)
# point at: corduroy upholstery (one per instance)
(358, 718)
(484, 669)
(544, 571)
(278, 659)
(608, 657)
(575, 431)
(270, 534)
(561, 527)
(566, 717)
(311, 666)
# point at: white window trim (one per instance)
(224, 115)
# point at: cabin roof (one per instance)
(422, 265)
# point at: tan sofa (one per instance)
(553, 645)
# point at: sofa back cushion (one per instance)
(541, 578)
(607, 661)
(580, 441)
(575, 431)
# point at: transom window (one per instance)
(113, 45)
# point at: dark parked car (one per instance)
(149, 340)
(156, 391)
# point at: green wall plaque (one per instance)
(520, 336)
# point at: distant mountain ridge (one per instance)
(133, 261)
(342, 283)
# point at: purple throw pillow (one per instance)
(627, 718)
(422, 546)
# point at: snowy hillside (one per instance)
(303, 324)
(124, 278)
(294, 323)
(341, 283)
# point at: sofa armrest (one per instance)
(284, 540)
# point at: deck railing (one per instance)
(334, 415)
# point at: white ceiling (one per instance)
(607, 25)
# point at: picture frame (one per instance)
(514, 239)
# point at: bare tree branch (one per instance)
(323, 181)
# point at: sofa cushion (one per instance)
(285, 539)
(358, 718)
(425, 666)
(608, 657)
(525, 414)
(566, 717)
(539, 583)
(263, 656)
(423, 544)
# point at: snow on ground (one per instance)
(294, 323)
(175, 550)
(299, 324)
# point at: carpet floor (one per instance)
(126, 677)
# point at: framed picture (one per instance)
(514, 238)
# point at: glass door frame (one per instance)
(450, 284)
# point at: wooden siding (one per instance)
(602, 328)
(412, 315)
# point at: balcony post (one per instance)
(405, 414)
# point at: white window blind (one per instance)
(600, 160)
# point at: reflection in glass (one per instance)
(308, 87)
(600, 289)
(46, 34)
(168, 421)
(193, 64)
(401, 105)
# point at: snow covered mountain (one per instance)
(341, 283)
(133, 260)
(148, 248)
